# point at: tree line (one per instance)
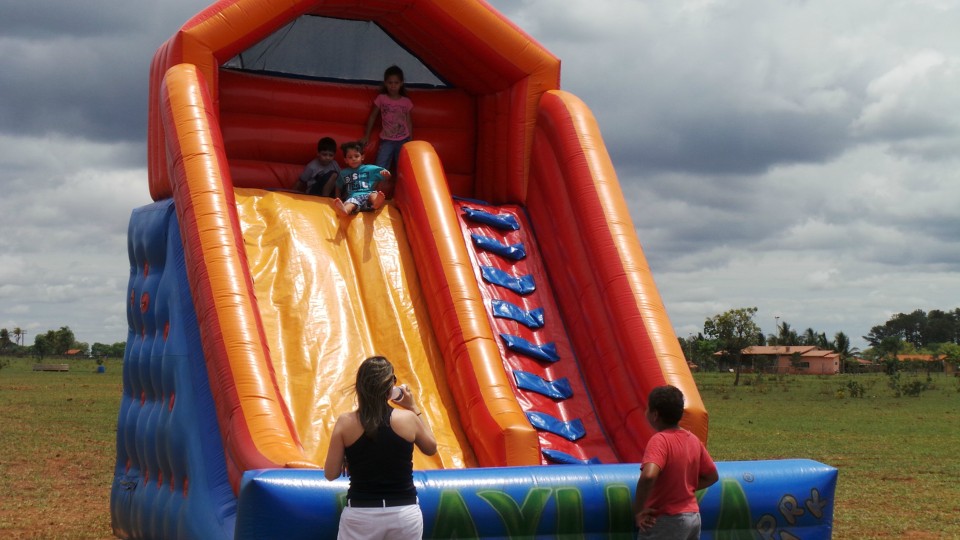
(55, 343)
(916, 331)
(936, 333)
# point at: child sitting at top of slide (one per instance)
(319, 177)
(357, 183)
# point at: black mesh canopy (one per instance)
(335, 49)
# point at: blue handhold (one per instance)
(564, 458)
(570, 430)
(532, 319)
(520, 285)
(556, 389)
(513, 252)
(499, 221)
(546, 352)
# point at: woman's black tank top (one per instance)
(380, 468)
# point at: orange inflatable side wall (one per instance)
(495, 424)
(210, 38)
(621, 333)
(255, 424)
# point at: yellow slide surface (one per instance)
(332, 292)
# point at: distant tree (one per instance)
(63, 340)
(889, 346)
(950, 353)
(785, 336)
(909, 348)
(841, 346)
(41, 345)
(117, 349)
(795, 359)
(704, 353)
(942, 327)
(811, 337)
(99, 349)
(919, 328)
(733, 330)
(699, 350)
(5, 342)
(18, 336)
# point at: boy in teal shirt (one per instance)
(357, 183)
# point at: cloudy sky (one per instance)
(799, 156)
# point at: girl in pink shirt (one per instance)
(393, 107)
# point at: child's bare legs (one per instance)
(377, 199)
(373, 201)
(343, 210)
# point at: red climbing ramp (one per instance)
(534, 346)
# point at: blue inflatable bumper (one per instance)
(753, 499)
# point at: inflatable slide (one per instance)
(504, 281)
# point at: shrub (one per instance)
(914, 388)
(856, 389)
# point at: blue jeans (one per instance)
(388, 153)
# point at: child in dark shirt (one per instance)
(319, 177)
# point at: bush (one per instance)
(856, 389)
(914, 388)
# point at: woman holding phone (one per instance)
(374, 444)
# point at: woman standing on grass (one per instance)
(374, 443)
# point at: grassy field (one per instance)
(57, 448)
(897, 457)
(899, 470)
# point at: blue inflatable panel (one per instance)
(570, 430)
(532, 319)
(514, 252)
(520, 285)
(505, 222)
(564, 458)
(557, 389)
(546, 352)
(170, 478)
(754, 499)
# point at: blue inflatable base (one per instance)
(753, 499)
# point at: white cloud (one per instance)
(908, 99)
(67, 203)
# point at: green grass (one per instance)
(57, 449)
(898, 462)
(897, 457)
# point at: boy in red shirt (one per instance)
(675, 465)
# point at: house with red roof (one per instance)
(797, 359)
